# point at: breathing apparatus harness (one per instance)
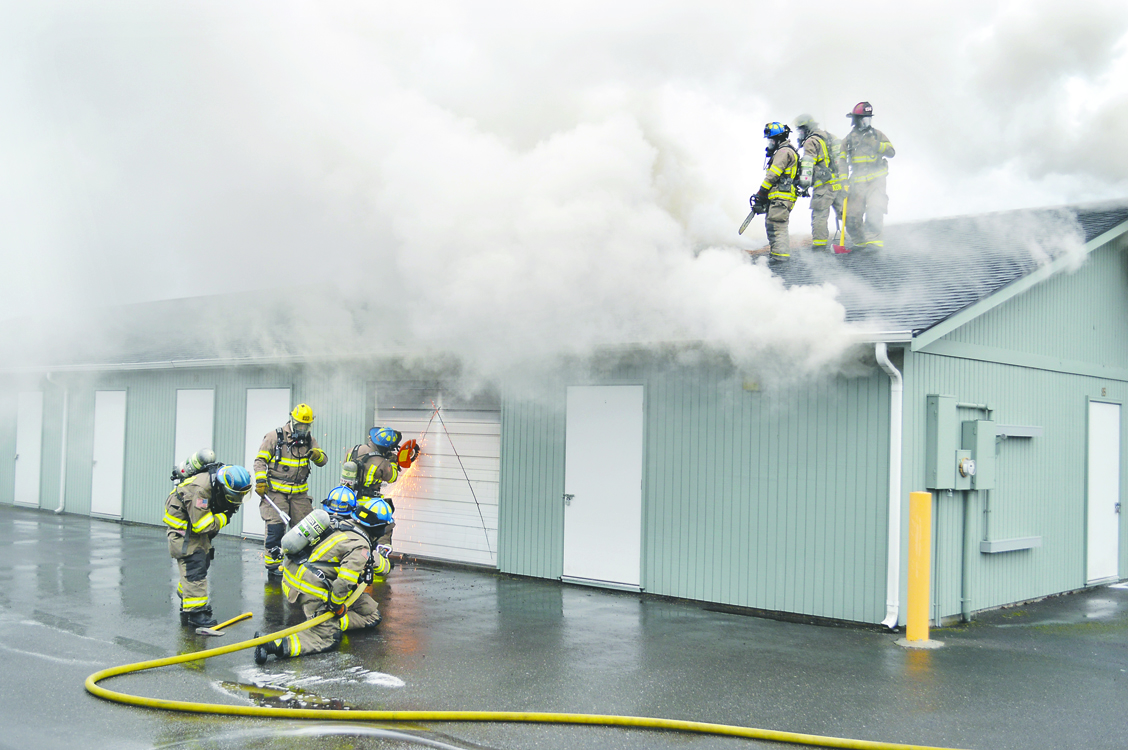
(318, 568)
(361, 461)
(297, 440)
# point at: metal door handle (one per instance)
(568, 499)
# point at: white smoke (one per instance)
(512, 180)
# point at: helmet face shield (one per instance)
(299, 428)
(862, 122)
(341, 501)
(372, 512)
(236, 483)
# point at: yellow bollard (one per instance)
(920, 564)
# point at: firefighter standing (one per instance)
(824, 172)
(195, 512)
(333, 576)
(866, 150)
(380, 460)
(282, 480)
(777, 194)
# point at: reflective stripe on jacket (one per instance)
(779, 179)
(866, 152)
(333, 569)
(820, 150)
(188, 516)
(285, 465)
(372, 469)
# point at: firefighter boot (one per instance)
(198, 618)
(280, 649)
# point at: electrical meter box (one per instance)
(979, 440)
(942, 439)
(965, 470)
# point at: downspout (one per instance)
(62, 448)
(893, 564)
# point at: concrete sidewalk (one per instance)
(77, 595)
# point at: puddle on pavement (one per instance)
(283, 697)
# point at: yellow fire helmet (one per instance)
(302, 413)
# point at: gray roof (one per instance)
(930, 270)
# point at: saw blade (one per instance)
(747, 221)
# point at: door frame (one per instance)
(94, 451)
(16, 472)
(642, 547)
(252, 524)
(1089, 401)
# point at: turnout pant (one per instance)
(193, 586)
(822, 199)
(364, 613)
(865, 213)
(296, 507)
(775, 222)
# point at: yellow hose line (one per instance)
(637, 722)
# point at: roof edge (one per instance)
(1010, 291)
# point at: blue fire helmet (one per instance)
(372, 512)
(776, 130)
(235, 481)
(341, 501)
(384, 437)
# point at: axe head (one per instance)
(209, 631)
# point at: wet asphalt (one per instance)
(79, 594)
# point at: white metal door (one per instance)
(267, 410)
(603, 498)
(1104, 492)
(195, 414)
(109, 453)
(29, 446)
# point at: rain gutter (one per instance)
(893, 562)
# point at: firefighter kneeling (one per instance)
(331, 572)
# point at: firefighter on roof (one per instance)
(282, 479)
(777, 194)
(196, 510)
(866, 150)
(332, 575)
(823, 172)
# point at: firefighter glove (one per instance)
(318, 456)
(260, 487)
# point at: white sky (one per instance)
(465, 153)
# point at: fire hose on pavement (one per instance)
(636, 722)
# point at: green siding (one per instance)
(1047, 351)
(1080, 316)
(337, 395)
(1040, 489)
(774, 500)
(531, 508)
